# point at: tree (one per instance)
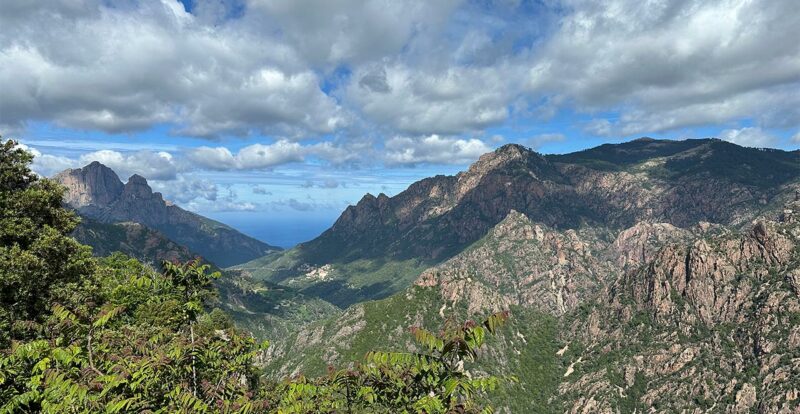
(433, 381)
(38, 259)
(126, 351)
(195, 283)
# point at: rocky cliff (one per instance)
(97, 193)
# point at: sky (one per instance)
(274, 115)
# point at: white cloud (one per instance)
(151, 165)
(668, 65)
(327, 183)
(351, 74)
(185, 190)
(335, 31)
(433, 149)
(256, 156)
(146, 63)
(796, 138)
(599, 127)
(748, 137)
(47, 165)
(449, 101)
(265, 156)
(200, 205)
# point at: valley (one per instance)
(629, 269)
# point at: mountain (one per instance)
(648, 275)
(97, 193)
(652, 317)
(379, 246)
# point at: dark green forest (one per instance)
(80, 334)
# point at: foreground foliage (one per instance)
(113, 335)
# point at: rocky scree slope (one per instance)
(97, 193)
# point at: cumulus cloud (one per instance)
(335, 31)
(328, 183)
(299, 205)
(668, 65)
(419, 101)
(185, 190)
(151, 165)
(146, 63)
(433, 149)
(748, 137)
(293, 204)
(796, 138)
(355, 76)
(220, 206)
(47, 165)
(256, 156)
(265, 156)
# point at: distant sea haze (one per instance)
(277, 228)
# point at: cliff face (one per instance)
(94, 184)
(96, 193)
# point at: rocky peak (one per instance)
(501, 156)
(94, 184)
(508, 160)
(369, 211)
(137, 187)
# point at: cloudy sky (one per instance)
(273, 115)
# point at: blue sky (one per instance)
(274, 115)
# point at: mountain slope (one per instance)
(132, 239)
(651, 317)
(97, 193)
(378, 246)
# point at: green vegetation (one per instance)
(112, 335)
(758, 167)
(344, 282)
(39, 262)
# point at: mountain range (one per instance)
(648, 275)
(651, 275)
(393, 239)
